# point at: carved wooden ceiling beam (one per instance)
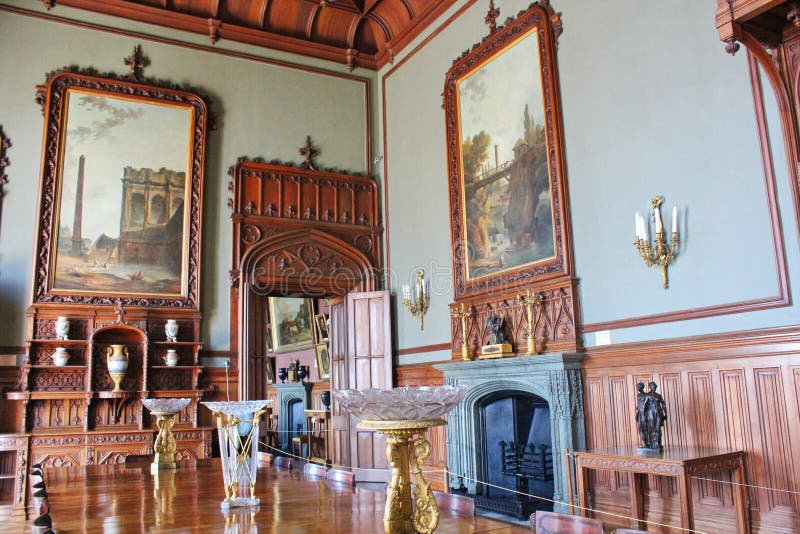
(363, 33)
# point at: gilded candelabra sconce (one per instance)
(417, 303)
(528, 300)
(661, 254)
(462, 313)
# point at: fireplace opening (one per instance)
(296, 419)
(516, 446)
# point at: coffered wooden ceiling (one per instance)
(359, 33)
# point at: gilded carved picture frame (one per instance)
(505, 152)
(121, 191)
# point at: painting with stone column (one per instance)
(121, 221)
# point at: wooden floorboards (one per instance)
(120, 499)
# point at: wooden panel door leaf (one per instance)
(369, 351)
(340, 419)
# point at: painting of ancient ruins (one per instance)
(121, 220)
(508, 213)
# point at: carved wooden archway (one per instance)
(296, 231)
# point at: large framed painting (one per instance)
(507, 182)
(291, 323)
(121, 192)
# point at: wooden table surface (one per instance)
(119, 499)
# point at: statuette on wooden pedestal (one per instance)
(62, 328)
(117, 362)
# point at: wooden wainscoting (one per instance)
(423, 374)
(736, 391)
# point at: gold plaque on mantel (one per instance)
(499, 350)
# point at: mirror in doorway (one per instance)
(291, 325)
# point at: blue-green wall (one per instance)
(263, 110)
(652, 105)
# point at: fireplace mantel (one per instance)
(554, 377)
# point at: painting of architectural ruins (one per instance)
(122, 221)
(508, 216)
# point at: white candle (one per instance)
(638, 226)
(406, 292)
(645, 229)
(675, 219)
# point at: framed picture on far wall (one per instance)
(506, 169)
(291, 323)
(120, 193)
(269, 369)
(323, 361)
(321, 321)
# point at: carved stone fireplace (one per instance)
(554, 378)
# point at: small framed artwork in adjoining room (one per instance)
(321, 322)
(323, 361)
(269, 369)
(291, 324)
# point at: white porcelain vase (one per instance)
(171, 358)
(60, 356)
(62, 328)
(171, 329)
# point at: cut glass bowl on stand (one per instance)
(237, 428)
(165, 445)
(403, 415)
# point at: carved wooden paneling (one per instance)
(775, 441)
(733, 391)
(736, 420)
(554, 320)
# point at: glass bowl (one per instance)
(400, 404)
(166, 405)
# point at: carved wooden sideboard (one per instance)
(72, 415)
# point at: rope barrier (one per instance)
(448, 472)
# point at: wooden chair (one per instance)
(271, 433)
(552, 523)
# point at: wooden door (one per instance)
(340, 419)
(369, 363)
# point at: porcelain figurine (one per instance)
(171, 329)
(60, 356)
(171, 357)
(62, 328)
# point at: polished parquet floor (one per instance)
(128, 499)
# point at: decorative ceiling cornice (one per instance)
(357, 33)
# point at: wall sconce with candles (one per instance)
(417, 303)
(661, 254)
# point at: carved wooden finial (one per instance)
(308, 151)
(136, 62)
(5, 144)
(793, 15)
(491, 17)
(731, 45)
(120, 311)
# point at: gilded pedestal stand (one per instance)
(165, 446)
(406, 450)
